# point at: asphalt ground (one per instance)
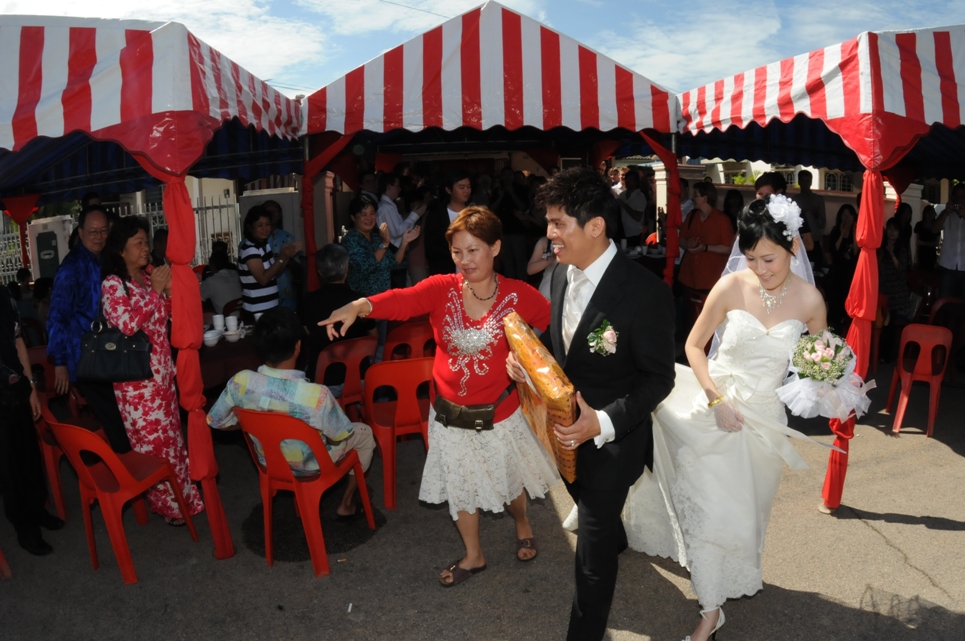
(888, 565)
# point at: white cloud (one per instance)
(244, 30)
(366, 16)
(681, 53)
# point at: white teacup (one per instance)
(218, 321)
(231, 322)
(623, 244)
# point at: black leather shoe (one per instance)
(50, 522)
(37, 547)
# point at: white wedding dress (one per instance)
(707, 501)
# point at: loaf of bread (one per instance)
(549, 397)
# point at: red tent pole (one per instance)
(674, 215)
(861, 305)
(187, 326)
(313, 167)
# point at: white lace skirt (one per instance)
(485, 470)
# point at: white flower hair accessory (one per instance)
(784, 210)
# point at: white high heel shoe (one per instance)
(720, 623)
(572, 521)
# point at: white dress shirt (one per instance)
(389, 213)
(953, 243)
(594, 274)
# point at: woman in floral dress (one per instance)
(134, 299)
(493, 465)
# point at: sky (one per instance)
(299, 46)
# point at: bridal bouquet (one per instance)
(821, 379)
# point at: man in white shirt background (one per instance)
(633, 206)
(951, 224)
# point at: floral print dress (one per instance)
(150, 407)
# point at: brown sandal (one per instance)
(459, 574)
(526, 544)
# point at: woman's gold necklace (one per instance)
(491, 296)
(772, 302)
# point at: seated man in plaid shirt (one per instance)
(278, 386)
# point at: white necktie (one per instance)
(573, 306)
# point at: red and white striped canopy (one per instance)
(128, 81)
(907, 80)
(491, 67)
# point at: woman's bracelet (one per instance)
(714, 403)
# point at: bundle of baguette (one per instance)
(549, 397)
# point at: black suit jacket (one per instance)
(627, 385)
(437, 252)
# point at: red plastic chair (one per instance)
(270, 429)
(38, 356)
(876, 333)
(414, 337)
(942, 302)
(929, 366)
(351, 353)
(51, 452)
(5, 572)
(392, 419)
(114, 481)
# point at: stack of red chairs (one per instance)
(389, 420)
(353, 354)
(412, 340)
(934, 345)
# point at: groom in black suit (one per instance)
(620, 381)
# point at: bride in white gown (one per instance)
(720, 438)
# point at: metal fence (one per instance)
(10, 260)
(214, 219)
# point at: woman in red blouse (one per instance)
(488, 460)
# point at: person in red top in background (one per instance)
(707, 235)
(492, 465)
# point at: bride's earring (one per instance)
(794, 260)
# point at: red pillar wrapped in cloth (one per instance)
(861, 306)
(20, 209)
(674, 214)
(187, 327)
(312, 168)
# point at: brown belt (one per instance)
(467, 417)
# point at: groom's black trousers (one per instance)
(600, 540)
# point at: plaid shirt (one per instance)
(287, 392)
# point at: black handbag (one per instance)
(108, 355)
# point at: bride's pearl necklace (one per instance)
(772, 302)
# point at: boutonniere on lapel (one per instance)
(603, 340)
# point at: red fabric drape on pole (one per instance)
(312, 169)
(386, 162)
(861, 306)
(187, 325)
(20, 209)
(545, 158)
(674, 215)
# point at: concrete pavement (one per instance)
(888, 565)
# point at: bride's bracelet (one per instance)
(714, 403)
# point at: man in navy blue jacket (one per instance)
(74, 302)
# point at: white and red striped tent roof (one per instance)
(879, 91)
(153, 87)
(491, 67)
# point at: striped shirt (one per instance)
(255, 297)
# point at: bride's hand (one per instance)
(729, 418)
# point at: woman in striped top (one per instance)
(257, 264)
